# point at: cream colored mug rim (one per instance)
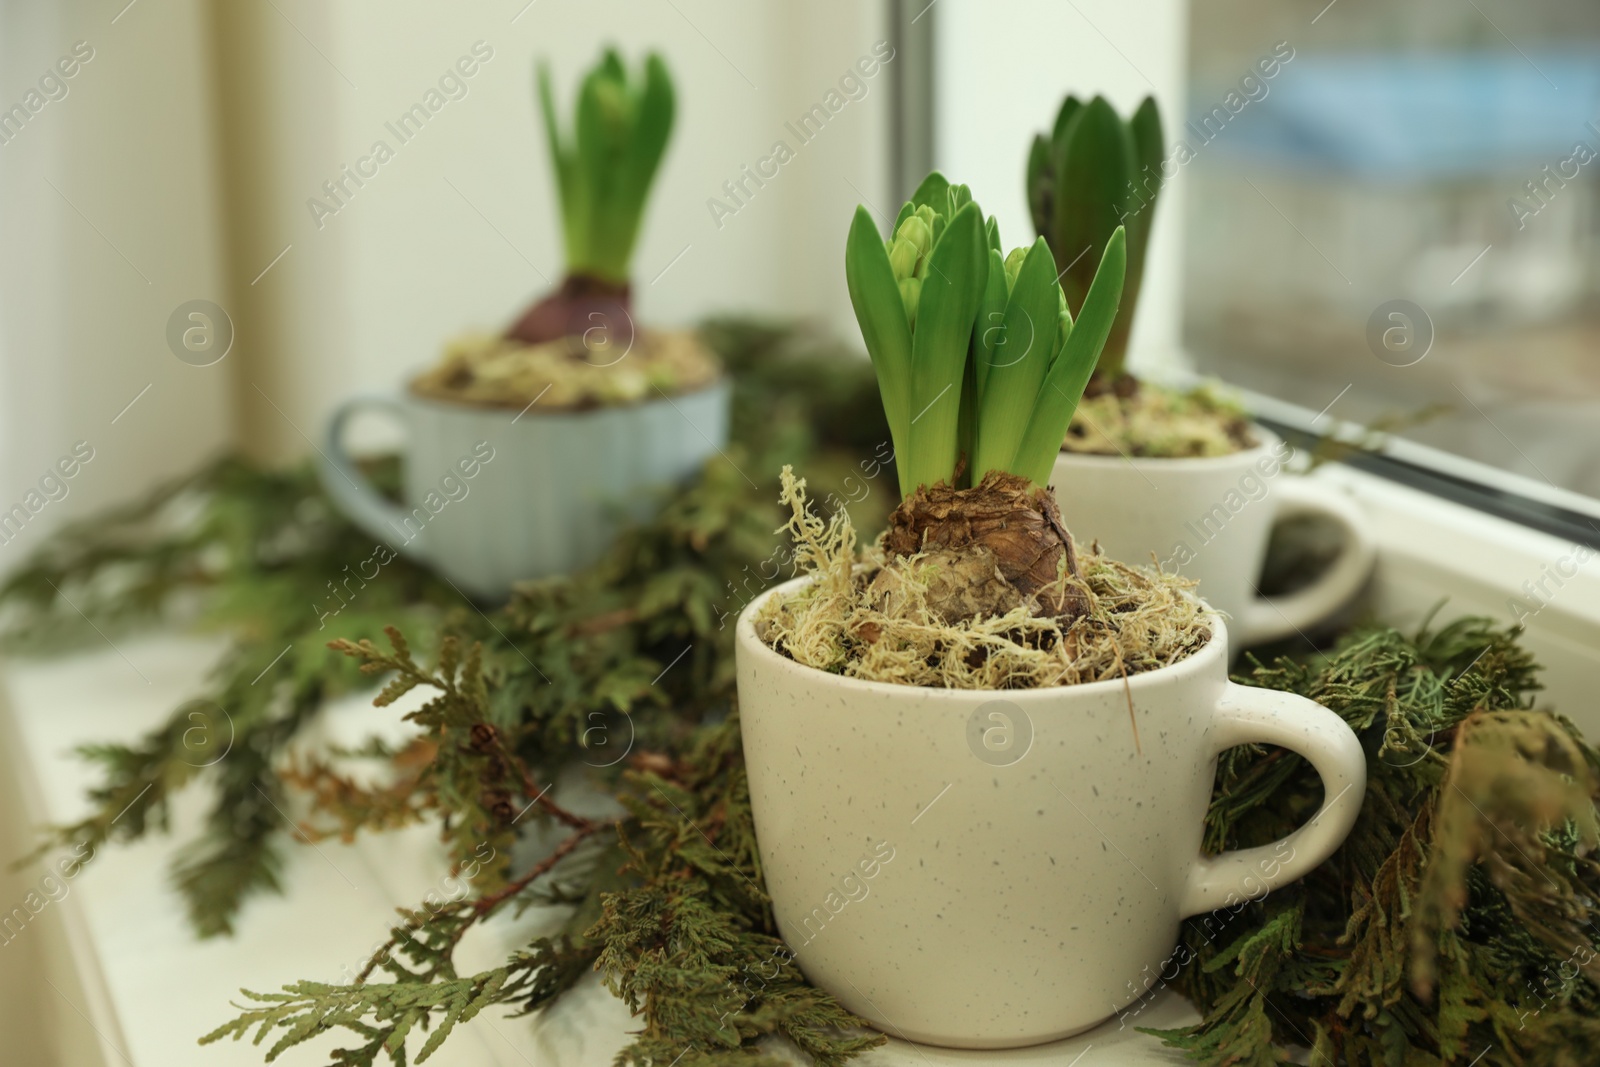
(464, 407)
(1243, 458)
(1197, 663)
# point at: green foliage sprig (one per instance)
(475, 776)
(976, 355)
(682, 932)
(1457, 924)
(386, 1014)
(691, 944)
(604, 168)
(250, 552)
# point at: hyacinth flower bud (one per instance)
(909, 250)
(903, 257)
(910, 295)
(1013, 266)
(613, 106)
(926, 235)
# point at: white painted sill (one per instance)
(110, 975)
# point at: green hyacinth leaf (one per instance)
(1021, 356)
(1094, 163)
(604, 171)
(641, 156)
(880, 312)
(611, 68)
(967, 426)
(1148, 153)
(1100, 172)
(564, 163)
(934, 192)
(906, 211)
(1065, 381)
(990, 324)
(599, 133)
(1040, 180)
(1064, 116)
(951, 292)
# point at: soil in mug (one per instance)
(1134, 418)
(874, 616)
(569, 372)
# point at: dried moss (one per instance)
(1160, 423)
(849, 620)
(497, 372)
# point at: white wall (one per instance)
(460, 229)
(1003, 69)
(193, 140)
(108, 221)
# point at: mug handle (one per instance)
(1247, 715)
(351, 490)
(1270, 618)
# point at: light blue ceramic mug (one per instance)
(492, 496)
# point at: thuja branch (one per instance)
(419, 955)
(1458, 920)
(251, 550)
(484, 906)
(474, 773)
(469, 692)
(384, 1015)
(428, 936)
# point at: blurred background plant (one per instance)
(604, 165)
(1091, 174)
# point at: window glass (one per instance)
(1391, 216)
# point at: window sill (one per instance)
(131, 986)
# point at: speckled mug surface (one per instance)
(550, 489)
(1210, 518)
(999, 868)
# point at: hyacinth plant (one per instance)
(980, 365)
(604, 166)
(1092, 176)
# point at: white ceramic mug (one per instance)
(998, 868)
(1210, 519)
(546, 492)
